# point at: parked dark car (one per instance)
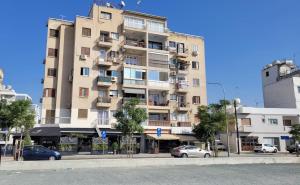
(38, 152)
(292, 148)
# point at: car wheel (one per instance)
(184, 156)
(264, 151)
(206, 156)
(275, 151)
(51, 158)
(291, 152)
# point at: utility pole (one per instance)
(235, 102)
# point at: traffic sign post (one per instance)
(158, 133)
(103, 136)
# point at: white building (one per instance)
(281, 85)
(264, 126)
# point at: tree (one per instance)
(295, 132)
(16, 114)
(129, 120)
(212, 121)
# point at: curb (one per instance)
(129, 163)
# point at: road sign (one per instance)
(158, 132)
(103, 134)
(285, 137)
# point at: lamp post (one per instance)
(21, 140)
(235, 103)
(225, 113)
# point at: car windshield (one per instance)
(258, 144)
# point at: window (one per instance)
(196, 82)
(158, 76)
(105, 15)
(172, 79)
(267, 73)
(113, 93)
(84, 71)
(195, 65)
(83, 92)
(115, 73)
(49, 92)
(134, 74)
(82, 113)
(54, 33)
(196, 99)
(134, 22)
(182, 117)
(173, 116)
(172, 44)
(298, 89)
(51, 72)
(52, 52)
(86, 32)
(156, 26)
(155, 45)
(273, 121)
(115, 36)
(85, 51)
(113, 54)
(194, 48)
(287, 122)
(173, 97)
(246, 121)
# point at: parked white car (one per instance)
(265, 148)
(190, 151)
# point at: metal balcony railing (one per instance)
(104, 99)
(159, 123)
(104, 79)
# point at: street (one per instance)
(172, 175)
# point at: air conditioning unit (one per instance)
(195, 53)
(114, 79)
(83, 57)
(173, 73)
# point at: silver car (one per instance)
(189, 151)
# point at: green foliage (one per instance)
(99, 147)
(67, 147)
(295, 132)
(27, 139)
(212, 121)
(130, 118)
(115, 146)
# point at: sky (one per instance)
(241, 37)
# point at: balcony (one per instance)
(135, 60)
(104, 102)
(142, 100)
(183, 69)
(159, 123)
(182, 86)
(158, 84)
(158, 105)
(181, 130)
(184, 124)
(135, 44)
(56, 120)
(183, 107)
(246, 128)
(104, 81)
(105, 41)
(104, 62)
(183, 53)
(134, 83)
(132, 26)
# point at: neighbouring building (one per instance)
(96, 63)
(263, 126)
(281, 85)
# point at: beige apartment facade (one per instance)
(96, 63)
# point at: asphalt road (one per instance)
(272, 174)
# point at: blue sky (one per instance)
(241, 36)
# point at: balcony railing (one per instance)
(105, 39)
(159, 123)
(164, 84)
(142, 100)
(135, 43)
(182, 84)
(135, 60)
(184, 124)
(154, 103)
(102, 121)
(134, 82)
(104, 79)
(128, 24)
(104, 99)
(56, 120)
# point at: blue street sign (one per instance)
(158, 132)
(285, 137)
(103, 134)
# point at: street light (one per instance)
(227, 129)
(236, 102)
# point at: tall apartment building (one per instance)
(281, 85)
(96, 63)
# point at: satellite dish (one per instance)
(139, 2)
(122, 4)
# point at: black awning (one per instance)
(88, 130)
(42, 131)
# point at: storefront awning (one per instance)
(134, 91)
(187, 138)
(162, 137)
(43, 132)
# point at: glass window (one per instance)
(196, 99)
(54, 33)
(86, 32)
(52, 72)
(115, 36)
(155, 45)
(195, 65)
(83, 92)
(182, 117)
(173, 97)
(153, 75)
(134, 22)
(115, 73)
(127, 73)
(267, 73)
(85, 71)
(156, 26)
(273, 121)
(113, 93)
(172, 44)
(194, 47)
(105, 15)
